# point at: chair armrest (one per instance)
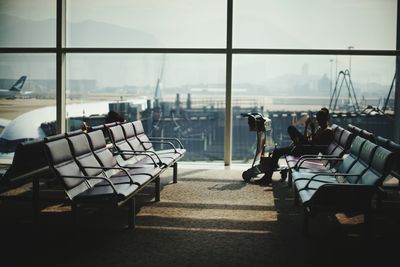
(327, 157)
(92, 177)
(145, 153)
(112, 168)
(161, 142)
(330, 174)
(168, 138)
(308, 146)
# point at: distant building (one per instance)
(324, 85)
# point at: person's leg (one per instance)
(272, 165)
(296, 136)
(278, 153)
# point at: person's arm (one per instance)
(308, 121)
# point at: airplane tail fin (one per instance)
(18, 84)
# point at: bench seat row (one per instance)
(91, 169)
(348, 183)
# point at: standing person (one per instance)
(302, 143)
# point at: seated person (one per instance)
(313, 143)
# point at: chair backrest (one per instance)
(96, 127)
(63, 165)
(335, 142)
(346, 139)
(54, 137)
(379, 168)
(101, 152)
(395, 148)
(84, 156)
(119, 141)
(354, 153)
(29, 156)
(131, 137)
(141, 135)
(344, 143)
(334, 127)
(368, 135)
(381, 141)
(72, 133)
(363, 162)
(350, 127)
(354, 129)
(111, 124)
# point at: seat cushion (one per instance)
(315, 184)
(310, 163)
(139, 179)
(106, 192)
(306, 174)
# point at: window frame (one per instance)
(61, 51)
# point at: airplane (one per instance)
(14, 90)
(32, 124)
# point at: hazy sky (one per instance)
(363, 24)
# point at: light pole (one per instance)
(350, 47)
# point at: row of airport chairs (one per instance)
(343, 181)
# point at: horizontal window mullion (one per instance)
(202, 51)
(146, 50)
(31, 50)
(316, 52)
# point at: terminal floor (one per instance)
(209, 218)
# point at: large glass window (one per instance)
(315, 24)
(183, 95)
(27, 99)
(175, 95)
(27, 23)
(146, 23)
(286, 88)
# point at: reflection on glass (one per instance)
(27, 23)
(174, 95)
(146, 23)
(315, 24)
(288, 87)
(27, 99)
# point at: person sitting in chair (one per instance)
(312, 143)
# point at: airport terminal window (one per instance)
(286, 87)
(27, 98)
(146, 23)
(186, 91)
(27, 23)
(175, 95)
(315, 24)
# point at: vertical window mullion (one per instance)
(60, 65)
(396, 128)
(228, 84)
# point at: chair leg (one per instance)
(74, 213)
(306, 222)
(131, 213)
(296, 195)
(157, 188)
(290, 180)
(367, 224)
(36, 199)
(175, 175)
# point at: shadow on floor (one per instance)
(188, 233)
